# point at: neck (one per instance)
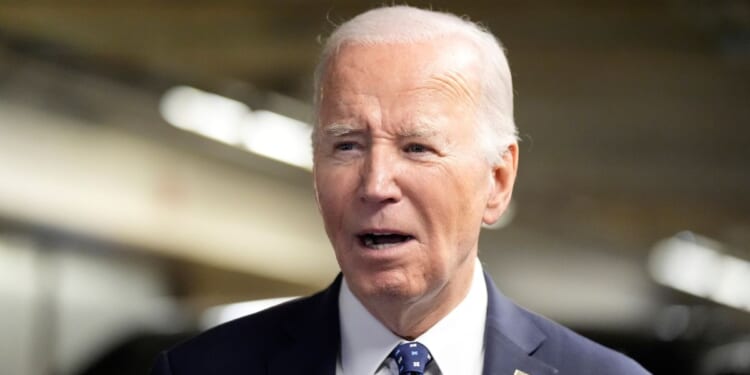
(409, 318)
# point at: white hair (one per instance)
(404, 24)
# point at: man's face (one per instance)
(400, 178)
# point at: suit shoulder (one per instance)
(245, 343)
(252, 327)
(571, 352)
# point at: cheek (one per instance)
(326, 195)
(333, 195)
(464, 196)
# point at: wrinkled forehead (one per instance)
(450, 63)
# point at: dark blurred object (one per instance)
(133, 355)
(657, 356)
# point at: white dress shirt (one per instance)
(456, 342)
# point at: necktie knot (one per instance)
(411, 358)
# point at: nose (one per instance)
(378, 179)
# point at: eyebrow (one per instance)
(422, 130)
(339, 129)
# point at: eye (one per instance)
(344, 146)
(416, 148)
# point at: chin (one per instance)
(392, 285)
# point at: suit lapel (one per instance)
(510, 338)
(314, 337)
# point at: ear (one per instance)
(501, 185)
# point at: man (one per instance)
(414, 148)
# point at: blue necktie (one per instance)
(411, 357)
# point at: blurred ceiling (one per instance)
(634, 115)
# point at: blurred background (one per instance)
(154, 169)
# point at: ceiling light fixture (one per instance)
(232, 122)
(700, 266)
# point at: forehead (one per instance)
(448, 64)
(402, 86)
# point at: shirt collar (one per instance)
(365, 342)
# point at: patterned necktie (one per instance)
(411, 357)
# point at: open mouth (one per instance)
(383, 240)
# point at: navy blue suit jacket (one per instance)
(302, 337)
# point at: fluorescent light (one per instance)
(278, 137)
(733, 284)
(699, 266)
(207, 114)
(229, 121)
